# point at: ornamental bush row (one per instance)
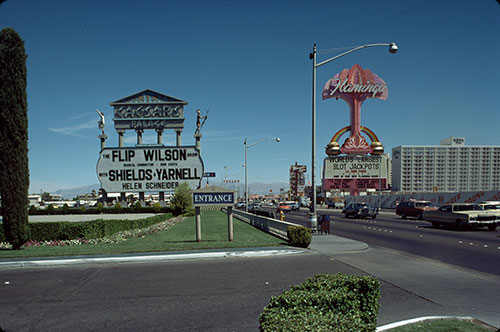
(325, 303)
(50, 210)
(93, 229)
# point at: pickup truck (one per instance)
(462, 215)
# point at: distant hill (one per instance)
(73, 192)
(253, 188)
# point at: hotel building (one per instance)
(450, 166)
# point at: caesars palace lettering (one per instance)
(149, 111)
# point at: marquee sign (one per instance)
(340, 172)
(148, 109)
(147, 169)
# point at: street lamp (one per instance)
(246, 168)
(393, 48)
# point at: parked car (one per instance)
(294, 206)
(414, 208)
(463, 215)
(283, 206)
(360, 210)
(253, 208)
(240, 205)
(335, 205)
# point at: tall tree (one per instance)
(14, 172)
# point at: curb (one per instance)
(146, 258)
(421, 319)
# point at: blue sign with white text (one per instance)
(213, 198)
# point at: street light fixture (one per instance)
(393, 48)
(246, 168)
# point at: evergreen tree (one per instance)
(14, 172)
(182, 201)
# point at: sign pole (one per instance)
(230, 223)
(198, 224)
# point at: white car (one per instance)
(462, 215)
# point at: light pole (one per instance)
(392, 49)
(246, 168)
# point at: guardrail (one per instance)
(269, 225)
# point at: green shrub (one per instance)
(50, 209)
(157, 207)
(325, 303)
(32, 210)
(100, 207)
(299, 236)
(47, 231)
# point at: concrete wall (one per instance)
(268, 225)
(438, 199)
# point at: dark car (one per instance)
(360, 210)
(414, 208)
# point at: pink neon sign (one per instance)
(354, 86)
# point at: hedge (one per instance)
(325, 303)
(50, 210)
(47, 231)
(299, 236)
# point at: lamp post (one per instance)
(246, 168)
(393, 48)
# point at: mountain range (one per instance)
(258, 188)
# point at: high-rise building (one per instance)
(450, 166)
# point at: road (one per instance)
(476, 249)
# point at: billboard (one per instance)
(343, 172)
(297, 179)
(149, 169)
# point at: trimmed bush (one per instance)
(299, 236)
(325, 303)
(47, 231)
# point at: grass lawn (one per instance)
(442, 325)
(180, 237)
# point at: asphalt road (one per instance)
(476, 249)
(202, 295)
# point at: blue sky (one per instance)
(248, 63)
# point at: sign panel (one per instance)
(148, 110)
(297, 179)
(209, 174)
(355, 166)
(146, 169)
(213, 198)
(361, 171)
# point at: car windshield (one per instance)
(423, 204)
(471, 207)
(491, 207)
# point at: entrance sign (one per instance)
(147, 169)
(213, 197)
